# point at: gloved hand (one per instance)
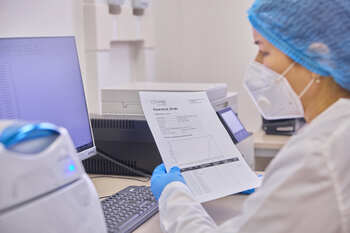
(160, 179)
(250, 191)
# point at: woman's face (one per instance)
(273, 58)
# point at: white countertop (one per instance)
(264, 141)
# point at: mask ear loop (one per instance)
(282, 76)
(316, 78)
(291, 66)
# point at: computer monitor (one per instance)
(40, 81)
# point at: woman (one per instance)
(302, 69)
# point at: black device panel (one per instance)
(130, 142)
(285, 127)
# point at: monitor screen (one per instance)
(233, 125)
(40, 80)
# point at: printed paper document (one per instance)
(189, 135)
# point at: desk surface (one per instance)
(220, 210)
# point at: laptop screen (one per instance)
(40, 81)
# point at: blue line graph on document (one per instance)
(194, 150)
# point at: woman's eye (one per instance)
(264, 54)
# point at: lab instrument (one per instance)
(44, 187)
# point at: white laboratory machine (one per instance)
(124, 98)
(44, 187)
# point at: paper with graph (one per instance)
(189, 135)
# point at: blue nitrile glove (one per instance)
(160, 179)
(250, 191)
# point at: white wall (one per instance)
(206, 41)
(195, 41)
(112, 48)
(25, 18)
(119, 47)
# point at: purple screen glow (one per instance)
(40, 81)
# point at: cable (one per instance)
(105, 196)
(109, 158)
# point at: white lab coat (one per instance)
(306, 188)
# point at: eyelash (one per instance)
(264, 54)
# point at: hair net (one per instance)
(314, 33)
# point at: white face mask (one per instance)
(272, 94)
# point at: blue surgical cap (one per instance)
(314, 33)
